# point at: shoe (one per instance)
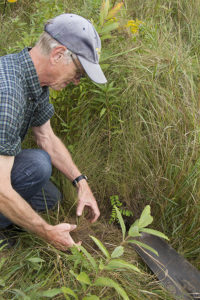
(7, 239)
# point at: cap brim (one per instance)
(93, 70)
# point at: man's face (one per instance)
(63, 74)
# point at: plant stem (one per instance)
(119, 54)
(4, 8)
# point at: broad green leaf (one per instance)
(106, 37)
(109, 27)
(68, 291)
(135, 223)
(145, 218)
(144, 246)
(101, 246)
(105, 281)
(120, 264)
(134, 231)
(121, 222)
(89, 257)
(51, 293)
(102, 112)
(36, 260)
(91, 297)
(84, 278)
(154, 232)
(118, 251)
(112, 13)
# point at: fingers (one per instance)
(93, 213)
(60, 237)
(72, 227)
(80, 208)
(96, 216)
(87, 199)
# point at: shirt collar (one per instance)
(34, 88)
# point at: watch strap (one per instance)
(77, 179)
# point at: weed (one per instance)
(115, 202)
(137, 137)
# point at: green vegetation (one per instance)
(115, 202)
(137, 137)
(89, 276)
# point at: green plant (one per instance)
(154, 137)
(92, 273)
(5, 5)
(96, 272)
(107, 19)
(138, 227)
(115, 202)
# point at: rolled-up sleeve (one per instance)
(43, 112)
(10, 141)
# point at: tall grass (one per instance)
(137, 138)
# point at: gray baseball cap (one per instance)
(79, 36)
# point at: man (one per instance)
(67, 49)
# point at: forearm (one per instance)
(19, 211)
(15, 208)
(61, 157)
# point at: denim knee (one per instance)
(31, 170)
(42, 161)
(34, 161)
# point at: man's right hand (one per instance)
(59, 236)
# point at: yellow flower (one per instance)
(134, 25)
(12, 1)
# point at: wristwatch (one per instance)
(77, 179)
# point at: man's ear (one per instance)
(57, 54)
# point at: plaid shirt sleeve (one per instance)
(43, 112)
(10, 141)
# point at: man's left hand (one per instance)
(87, 200)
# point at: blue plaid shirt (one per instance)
(23, 102)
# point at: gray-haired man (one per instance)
(67, 49)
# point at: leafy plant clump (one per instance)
(115, 202)
(92, 273)
(137, 137)
(112, 261)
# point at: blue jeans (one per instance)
(30, 178)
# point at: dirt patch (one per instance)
(109, 235)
